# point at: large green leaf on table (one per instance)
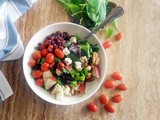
(96, 10)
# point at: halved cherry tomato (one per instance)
(107, 44)
(36, 55)
(82, 88)
(119, 36)
(37, 73)
(117, 76)
(68, 67)
(51, 47)
(40, 82)
(59, 53)
(92, 107)
(32, 63)
(122, 87)
(49, 58)
(117, 98)
(109, 84)
(110, 108)
(44, 52)
(104, 99)
(45, 66)
(54, 79)
(52, 65)
(60, 66)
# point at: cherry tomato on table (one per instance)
(59, 53)
(37, 73)
(32, 63)
(109, 84)
(107, 44)
(39, 82)
(104, 99)
(36, 55)
(45, 66)
(117, 76)
(119, 36)
(92, 107)
(117, 98)
(49, 58)
(122, 87)
(110, 108)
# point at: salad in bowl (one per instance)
(63, 68)
(63, 63)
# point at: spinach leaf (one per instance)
(73, 56)
(96, 10)
(86, 49)
(109, 32)
(95, 48)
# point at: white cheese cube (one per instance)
(56, 88)
(73, 40)
(48, 83)
(88, 68)
(67, 90)
(58, 72)
(68, 61)
(83, 59)
(78, 65)
(60, 95)
(66, 51)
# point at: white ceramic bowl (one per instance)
(72, 29)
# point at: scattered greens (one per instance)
(109, 32)
(89, 13)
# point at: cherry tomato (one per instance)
(60, 66)
(109, 84)
(40, 82)
(68, 67)
(52, 65)
(104, 99)
(122, 87)
(32, 63)
(51, 47)
(54, 79)
(37, 55)
(92, 107)
(50, 58)
(110, 108)
(59, 53)
(117, 76)
(44, 52)
(107, 44)
(37, 73)
(45, 66)
(117, 98)
(119, 36)
(82, 88)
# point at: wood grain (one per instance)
(137, 56)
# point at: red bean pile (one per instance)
(55, 40)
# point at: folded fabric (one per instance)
(11, 47)
(5, 88)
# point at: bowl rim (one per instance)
(99, 42)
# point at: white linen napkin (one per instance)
(11, 47)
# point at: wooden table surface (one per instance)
(137, 57)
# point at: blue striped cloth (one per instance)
(11, 47)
